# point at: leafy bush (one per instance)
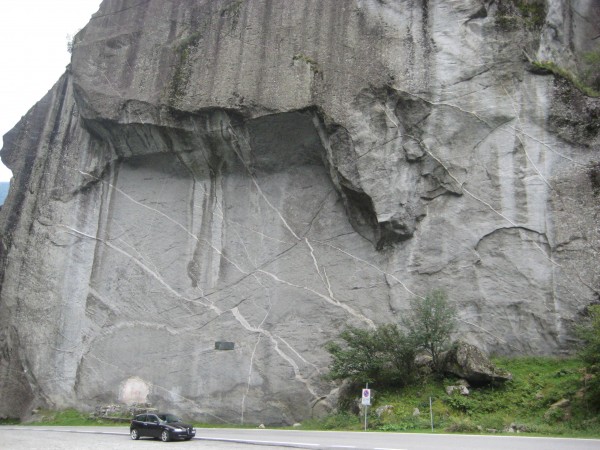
(384, 355)
(431, 324)
(459, 402)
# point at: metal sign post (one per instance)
(366, 401)
(431, 414)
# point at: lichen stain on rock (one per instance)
(134, 390)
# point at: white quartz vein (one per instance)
(251, 362)
(299, 356)
(297, 374)
(323, 276)
(373, 266)
(519, 131)
(488, 332)
(144, 267)
(209, 305)
(170, 219)
(258, 188)
(327, 298)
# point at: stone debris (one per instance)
(384, 410)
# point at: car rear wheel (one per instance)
(165, 436)
(134, 434)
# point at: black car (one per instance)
(162, 426)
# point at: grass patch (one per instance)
(341, 421)
(522, 405)
(72, 417)
(9, 421)
(551, 67)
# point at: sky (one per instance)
(33, 51)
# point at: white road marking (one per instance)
(252, 441)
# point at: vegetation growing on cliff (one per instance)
(183, 71)
(530, 15)
(545, 397)
(591, 70)
(386, 355)
(589, 333)
(514, 14)
(551, 67)
(430, 324)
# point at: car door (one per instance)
(152, 427)
(139, 423)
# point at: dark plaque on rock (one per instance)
(224, 345)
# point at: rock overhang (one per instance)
(196, 167)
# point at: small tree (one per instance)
(430, 324)
(590, 352)
(384, 355)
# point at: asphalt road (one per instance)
(87, 438)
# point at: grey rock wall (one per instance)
(269, 172)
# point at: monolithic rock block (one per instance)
(469, 362)
(267, 173)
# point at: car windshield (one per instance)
(169, 418)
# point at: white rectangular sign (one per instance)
(366, 397)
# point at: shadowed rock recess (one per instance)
(264, 173)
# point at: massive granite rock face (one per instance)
(267, 172)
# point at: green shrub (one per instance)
(460, 403)
(430, 324)
(384, 355)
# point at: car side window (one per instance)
(141, 418)
(153, 419)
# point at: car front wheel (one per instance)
(165, 436)
(134, 434)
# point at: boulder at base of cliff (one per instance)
(468, 362)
